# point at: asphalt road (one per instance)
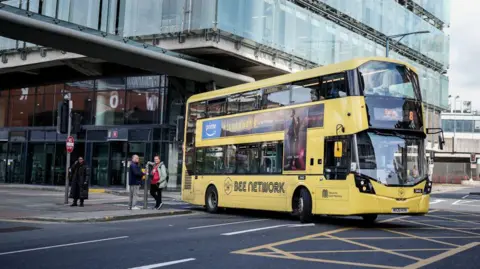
(247, 239)
(467, 199)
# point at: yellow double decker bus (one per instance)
(343, 139)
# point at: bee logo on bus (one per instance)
(228, 186)
(211, 129)
(401, 192)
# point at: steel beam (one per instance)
(30, 29)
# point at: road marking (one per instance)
(465, 196)
(461, 202)
(302, 225)
(420, 238)
(255, 230)
(443, 227)
(270, 227)
(163, 264)
(374, 248)
(455, 220)
(63, 245)
(437, 201)
(225, 224)
(248, 251)
(362, 250)
(442, 256)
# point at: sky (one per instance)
(464, 72)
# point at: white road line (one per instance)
(436, 201)
(224, 224)
(256, 229)
(63, 245)
(465, 196)
(462, 202)
(158, 265)
(302, 225)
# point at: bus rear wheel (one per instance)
(211, 199)
(302, 205)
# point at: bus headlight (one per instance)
(428, 186)
(364, 185)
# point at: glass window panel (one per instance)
(305, 91)
(142, 106)
(271, 158)
(200, 161)
(3, 108)
(230, 159)
(21, 107)
(276, 96)
(250, 101)
(217, 107)
(333, 86)
(85, 12)
(248, 161)
(233, 104)
(214, 160)
(110, 102)
(81, 94)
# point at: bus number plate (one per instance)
(400, 210)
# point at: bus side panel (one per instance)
(333, 196)
(245, 191)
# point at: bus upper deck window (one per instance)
(389, 79)
(333, 86)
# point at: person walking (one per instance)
(80, 175)
(134, 180)
(159, 181)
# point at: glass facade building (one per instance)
(281, 25)
(143, 107)
(142, 110)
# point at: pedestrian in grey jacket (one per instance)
(159, 181)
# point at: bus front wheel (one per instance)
(211, 199)
(302, 203)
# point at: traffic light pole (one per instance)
(70, 104)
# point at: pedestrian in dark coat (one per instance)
(80, 179)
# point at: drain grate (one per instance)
(18, 229)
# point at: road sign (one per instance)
(70, 144)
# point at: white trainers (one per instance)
(160, 206)
(136, 208)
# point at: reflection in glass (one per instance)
(392, 159)
(110, 102)
(247, 159)
(22, 107)
(142, 106)
(213, 160)
(389, 79)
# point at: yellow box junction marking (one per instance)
(449, 249)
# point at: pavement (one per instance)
(444, 238)
(47, 205)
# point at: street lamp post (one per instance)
(454, 121)
(401, 37)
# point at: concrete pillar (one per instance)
(173, 166)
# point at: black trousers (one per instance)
(156, 193)
(75, 201)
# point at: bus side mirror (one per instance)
(338, 149)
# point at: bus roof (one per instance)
(301, 75)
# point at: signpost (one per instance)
(70, 144)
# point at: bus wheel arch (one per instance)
(302, 204)
(211, 199)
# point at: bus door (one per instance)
(333, 194)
